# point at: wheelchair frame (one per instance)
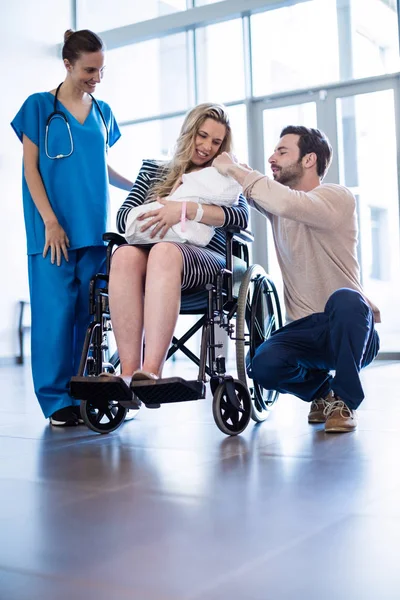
(106, 400)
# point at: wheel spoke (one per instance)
(99, 417)
(109, 414)
(270, 327)
(258, 326)
(228, 410)
(235, 418)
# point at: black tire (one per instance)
(103, 418)
(228, 419)
(258, 315)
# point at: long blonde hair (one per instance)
(182, 160)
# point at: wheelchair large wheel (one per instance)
(258, 315)
(228, 418)
(104, 417)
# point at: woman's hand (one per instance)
(163, 218)
(57, 241)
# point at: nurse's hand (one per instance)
(57, 241)
(163, 218)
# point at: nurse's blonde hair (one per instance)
(181, 162)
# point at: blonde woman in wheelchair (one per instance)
(146, 281)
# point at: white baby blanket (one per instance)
(205, 186)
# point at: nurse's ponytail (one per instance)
(80, 42)
(68, 34)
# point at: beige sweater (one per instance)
(315, 235)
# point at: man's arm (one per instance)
(324, 207)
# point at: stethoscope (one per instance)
(59, 114)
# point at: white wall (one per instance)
(29, 32)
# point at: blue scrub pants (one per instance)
(60, 317)
(297, 358)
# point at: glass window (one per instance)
(372, 177)
(50, 29)
(204, 2)
(350, 39)
(100, 15)
(238, 121)
(153, 139)
(220, 73)
(151, 78)
(294, 47)
(374, 37)
(379, 232)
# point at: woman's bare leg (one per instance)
(162, 303)
(126, 289)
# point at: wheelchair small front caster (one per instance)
(102, 417)
(231, 406)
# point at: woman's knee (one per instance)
(166, 257)
(127, 259)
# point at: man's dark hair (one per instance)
(312, 140)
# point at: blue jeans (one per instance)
(297, 358)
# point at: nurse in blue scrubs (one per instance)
(65, 135)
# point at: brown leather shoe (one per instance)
(339, 417)
(317, 408)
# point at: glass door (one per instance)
(367, 148)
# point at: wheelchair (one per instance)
(242, 301)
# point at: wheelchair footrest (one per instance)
(100, 389)
(170, 389)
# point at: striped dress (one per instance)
(200, 265)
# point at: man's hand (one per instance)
(227, 164)
(224, 162)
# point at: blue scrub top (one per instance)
(77, 186)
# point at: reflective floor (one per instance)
(168, 508)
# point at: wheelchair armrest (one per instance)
(115, 238)
(241, 234)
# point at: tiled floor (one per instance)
(168, 508)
